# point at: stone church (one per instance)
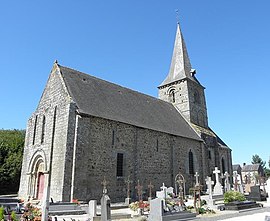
(85, 129)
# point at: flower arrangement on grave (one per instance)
(32, 213)
(76, 201)
(232, 196)
(140, 205)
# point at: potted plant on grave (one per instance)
(233, 196)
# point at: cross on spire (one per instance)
(177, 16)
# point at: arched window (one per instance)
(191, 162)
(223, 165)
(43, 129)
(172, 95)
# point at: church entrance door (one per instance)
(40, 185)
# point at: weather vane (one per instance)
(177, 16)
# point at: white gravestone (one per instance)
(165, 192)
(218, 190)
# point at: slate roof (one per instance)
(251, 167)
(235, 167)
(96, 97)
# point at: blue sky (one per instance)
(130, 43)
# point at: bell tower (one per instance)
(181, 87)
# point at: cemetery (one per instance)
(166, 204)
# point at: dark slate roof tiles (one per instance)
(96, 97)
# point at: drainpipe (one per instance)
(74, 157)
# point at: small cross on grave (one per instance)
(104, 184)
(164, 189)
(209, 184)
(197, 179)
(217, 188)
(139, 190)
(150, 187)
(128, 182)
(216, 172)
(227, 182)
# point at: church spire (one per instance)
(180, 63)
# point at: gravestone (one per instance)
(227, 182)
(150, 187)
(180, 181)
(268, 190)
(256, 194)
(197, 179)
(248, 182)
(209, 184)
(157, 212)
(128, 182)
(139, 189)
(92, 210)
(218, 190)
(105, 203)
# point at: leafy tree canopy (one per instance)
(257, 160)
(11, 151)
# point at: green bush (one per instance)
(231, 196)
(2, 212)
(13, 216)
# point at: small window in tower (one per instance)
(120, 165)
(172, 96)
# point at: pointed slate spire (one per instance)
(180, 64)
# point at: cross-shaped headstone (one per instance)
(216, 172)
(150, 187)
(104, 184)
(128, 182)
(209, 184)
(139, 190)
(164, 189)
(197, 179)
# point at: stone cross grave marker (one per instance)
(150, 187)
(217, 188)
(180, 180)
(197, 179)
(209, 184)
(104, 184)
(128, 182)
(139, 190)
(227, 182)
(248, 183)
(235, 181)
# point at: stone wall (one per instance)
(148, 156)
(54, 96)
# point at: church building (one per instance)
(86, 129)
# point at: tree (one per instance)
(257, 160)
(11, 152)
